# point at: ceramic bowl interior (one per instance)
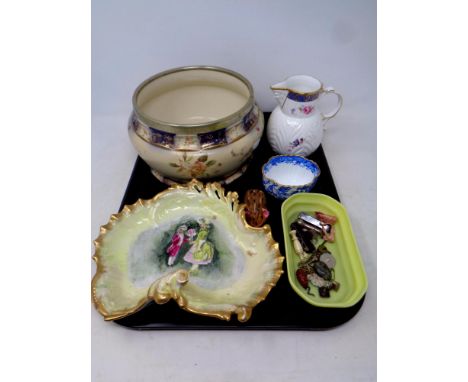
(291, 171)
(193, 96)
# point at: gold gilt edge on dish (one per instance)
(214, 189)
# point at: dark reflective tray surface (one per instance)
(283, 309)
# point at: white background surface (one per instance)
(334, 41)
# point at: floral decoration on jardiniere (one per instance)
(196, 167)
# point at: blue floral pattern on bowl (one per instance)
(284, 191)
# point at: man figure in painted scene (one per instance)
(177, 240)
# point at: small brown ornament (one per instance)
(256, 213)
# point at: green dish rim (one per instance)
(360, 277)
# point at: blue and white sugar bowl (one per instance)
(285, 175)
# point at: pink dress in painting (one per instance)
(176, 242)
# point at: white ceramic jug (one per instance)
(296, 125)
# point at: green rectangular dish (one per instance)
(349, 269)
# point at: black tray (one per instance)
(283, 309)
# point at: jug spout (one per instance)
(300, 88)
(279, 85)
(280, 91)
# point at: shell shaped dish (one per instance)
(349, 268)
(285, 175)
(190, 243)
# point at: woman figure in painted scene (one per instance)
(176, 242)
(201, 252)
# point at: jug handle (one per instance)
(330, 115)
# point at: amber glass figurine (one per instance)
(255, 210)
